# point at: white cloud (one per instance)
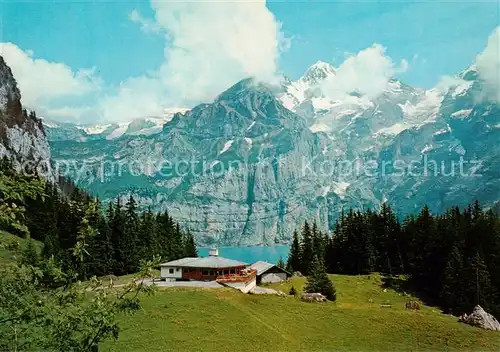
(367, 73)
(148, 26)
(404, 66)
(488, 66)
(57, 92)
(45, 84)
(212, 45)
(447, 82)
(208, 47)
(135, 97)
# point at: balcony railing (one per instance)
(243, 276)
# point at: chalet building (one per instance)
(208, 268)
(267, 272)
(227, 272)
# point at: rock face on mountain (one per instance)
(229, 171)
(22, 138)
(250, 167)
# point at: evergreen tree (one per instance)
(280, 263)
(318, 281)
(189, 246)
(307, 249)
(452, 294)
(479, 288)
(176, 245)
(295, 256)
(118, 240)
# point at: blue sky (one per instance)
(436, 38)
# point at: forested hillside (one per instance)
(43, 303)
(452, 259)
(59, 215)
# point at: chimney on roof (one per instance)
(213, 252)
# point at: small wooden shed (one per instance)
(267, 272)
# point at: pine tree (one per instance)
(189, 245)
(452, 293)
(129, 243)
(317, 239)
(295, 255)
(119, 243)
(176, 246)
(307, 249)
(480, 290)
(280, 263)
(318, 281)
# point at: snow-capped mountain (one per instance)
(258, 161)
(399, 106)
(306, 87)
(82, 132)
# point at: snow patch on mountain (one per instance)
(392, 130)
(145, 126)
(49, 124)
(96, 129)
(461, 114)
(340, 188)
(226, 147)
(426, 109)
(461, 88)
(427, 148)
(296, 92)
(320, 127)
(118, 132)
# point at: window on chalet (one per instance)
(171, 271)
(205, 272)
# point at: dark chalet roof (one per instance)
(262, 267)
(212, 262)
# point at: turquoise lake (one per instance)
(251, 254)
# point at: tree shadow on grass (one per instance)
(402, 285)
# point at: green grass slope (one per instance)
(8, 246)
(226, 320)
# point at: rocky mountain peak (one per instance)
(470, 74)
(9, 93)
(318, 72)
(22, 137)
(244, 88)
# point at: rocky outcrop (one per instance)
(480, 318)
(22, 137)
(313, 297)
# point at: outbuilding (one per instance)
(267, 272)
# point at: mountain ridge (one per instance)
(259, 164)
